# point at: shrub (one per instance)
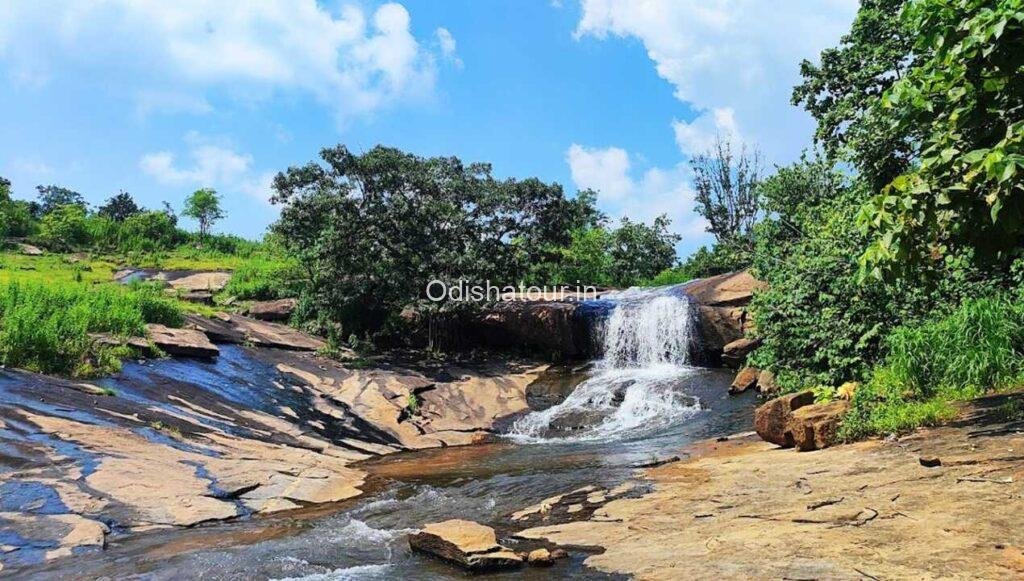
(64, 228)
(148, 232)
(45, 326)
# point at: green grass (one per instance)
(263, 279)
(44, 327)
(930, 366)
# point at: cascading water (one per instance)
(647, 342)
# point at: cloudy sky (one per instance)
(159, 98)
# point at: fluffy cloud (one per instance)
(735, 56)
(351, 61)
(210, 163)
(657, 191)
(698, 135)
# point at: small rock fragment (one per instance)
(540, 558)
(930, 461)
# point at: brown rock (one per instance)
(766, 383)
(722, 300)
(469, 545)
(202, 281)
(735, 352)
(725, 290)
(930, 461)
(181, 342)
(29, 250)
(814, 427)
(745, 379)
(279, 310)
(771, 420)
(559, 554)
(540, 558)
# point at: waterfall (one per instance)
(646, 341)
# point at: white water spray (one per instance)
(647, 342)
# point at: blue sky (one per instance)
(161, 98)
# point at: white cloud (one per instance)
(210, 164)
(657, 191)
(698, 136)
(352, 61)
(605, 170)
(731, 55)
(448, 46)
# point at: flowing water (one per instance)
(640, 402)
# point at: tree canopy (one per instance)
(203, 206)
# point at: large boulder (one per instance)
(815, 426)
(469, 545)
(279, 310)
(181, 342)
(771, 420)
(225, 328)
(722, 302)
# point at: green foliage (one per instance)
(120, 207)
(980, 345)
(585, 260)
(265, 279)
(960, 107)
(841, 90)
(974, 348)
(204, 206)
(370, 231)
(45, 326)
(64, 228)
(148, 231)
(819, 323)
(53, 197)
(639, 252)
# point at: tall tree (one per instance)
(639, 252)
(203, 206)
(120, 207)
(52, 197)
(726, 190)
(840, 91)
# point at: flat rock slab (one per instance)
(202, 281)
(469, 545)
(279, 310)
(745, 509)
(181, 342)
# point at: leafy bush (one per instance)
(148, 232)
(64, 228)
(45, 327)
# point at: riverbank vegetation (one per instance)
(892, 252)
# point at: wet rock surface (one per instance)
(181, 342)
(863, 511)
(467, 544)
(181, 442)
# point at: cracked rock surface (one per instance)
(869, 510)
